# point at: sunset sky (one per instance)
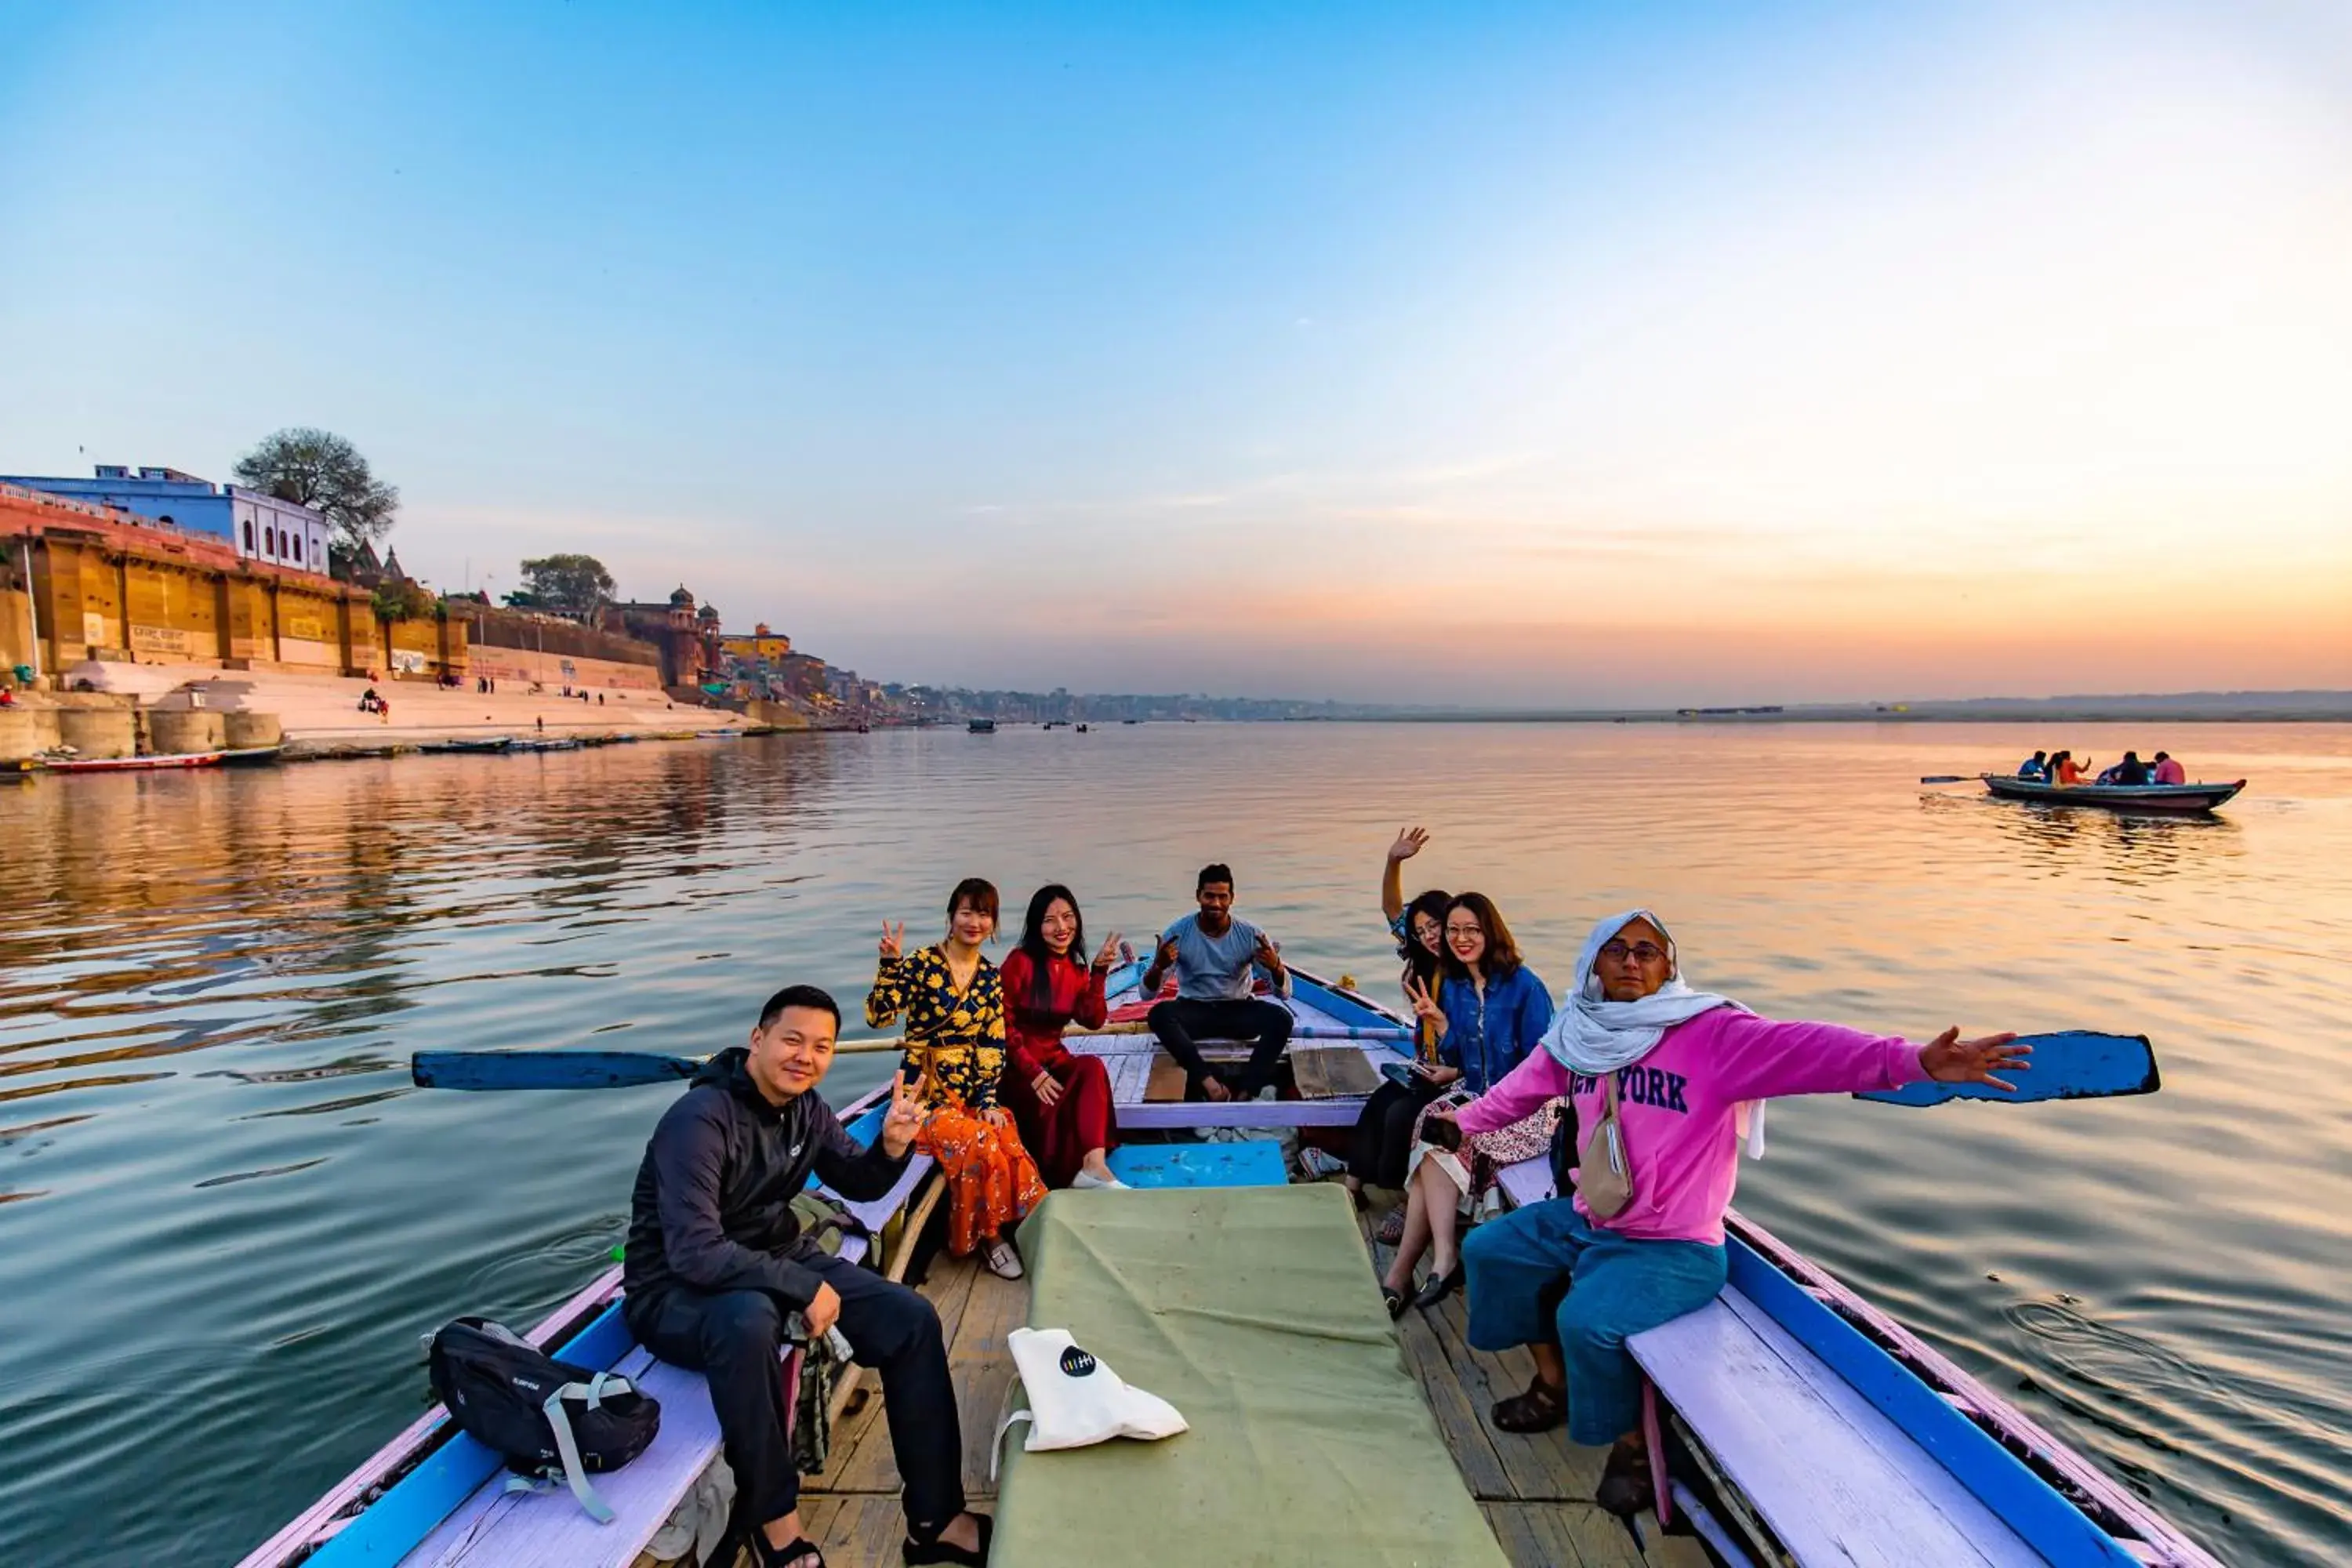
(1516, 354)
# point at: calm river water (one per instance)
(226, 1217)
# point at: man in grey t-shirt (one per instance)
(1216, 959)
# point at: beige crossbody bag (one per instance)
(1604, 1177)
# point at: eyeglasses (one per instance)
(1464, 931)
(1640, 952)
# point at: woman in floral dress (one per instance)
(953, 1000)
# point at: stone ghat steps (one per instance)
(324, 709)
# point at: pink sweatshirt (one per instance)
(1677, 1105)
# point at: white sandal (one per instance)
(1001, 1261)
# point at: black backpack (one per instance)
(549, 1419)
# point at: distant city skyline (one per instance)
(1513, 357)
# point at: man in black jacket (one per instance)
(716, 1263)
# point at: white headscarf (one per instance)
(1593, 1036)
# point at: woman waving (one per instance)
(1060, 1099)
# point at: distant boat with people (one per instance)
(2177, 798)
(981, 726)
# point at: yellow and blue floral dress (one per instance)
(955, 1045)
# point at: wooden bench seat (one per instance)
(491, 1527)
(1128, 1058)
(1835, 1479)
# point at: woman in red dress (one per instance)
(1060, 1099)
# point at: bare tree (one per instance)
(321, 469)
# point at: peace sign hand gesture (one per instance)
(904, 1117)
(1107, 958)
(893, 941)
(1948, 1059)
(1424, 1006)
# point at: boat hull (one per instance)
(137, 765)
(2193, 798)
(1864, 1339)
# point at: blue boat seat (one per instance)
(455, 1510)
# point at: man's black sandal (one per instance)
(914, 1549)
(794, 1553)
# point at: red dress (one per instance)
(1058, 1135)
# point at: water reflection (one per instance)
(165, 916)
(2124, 846)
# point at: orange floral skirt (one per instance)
(991, 1181)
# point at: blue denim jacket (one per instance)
(1486, 1039)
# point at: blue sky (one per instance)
(1514, 353)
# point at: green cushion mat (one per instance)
(1253, 1311)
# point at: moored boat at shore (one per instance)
(455, 743)
(134, 765)
(2180, 797)
(1787, 1361)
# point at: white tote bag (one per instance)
(1075, 1400)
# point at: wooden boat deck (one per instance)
(1536, 1492)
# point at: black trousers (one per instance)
(737, 1338)
(1383, 1140)
(1181, 1022)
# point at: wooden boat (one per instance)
(981, 726)
(2180, 797)
(135, 764)
(484, 743)
(1795, 1422)
(19, 770)
(251, 756)
(555, 743)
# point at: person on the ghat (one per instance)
(1666, 1082)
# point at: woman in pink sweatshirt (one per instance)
(1692, 1070)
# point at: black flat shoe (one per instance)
(797, 1552)
(1438, 1286)
(1395, 1300)
(1625, 1490)
(913, 1551)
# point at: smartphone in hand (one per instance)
(1440, 1133)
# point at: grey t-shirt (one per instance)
(1218, 968)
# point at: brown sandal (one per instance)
(1539, 1409)
(1625, 1488)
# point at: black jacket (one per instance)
(712, 1207)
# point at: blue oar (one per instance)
(626, 1069)
(547, 1069)
(2071, 1064)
